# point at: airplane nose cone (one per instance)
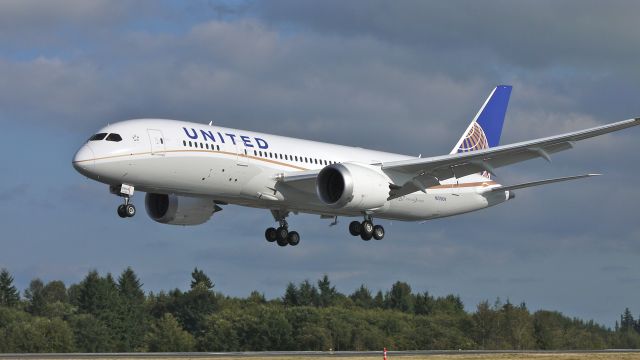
(84, 159)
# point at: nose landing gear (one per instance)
(125, 191)
(126, 210)
(366, 230)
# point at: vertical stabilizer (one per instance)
(485, 129)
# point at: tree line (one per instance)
(107, 314)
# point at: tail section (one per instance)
(485, 129)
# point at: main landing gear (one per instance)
(125, 191)
(282, 236)
(366, 230)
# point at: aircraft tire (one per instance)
(293, 238)
(282, 233)
(378, 232)
(271, 234)
(365, 236)
(367, 228)
(282, 242)
(355, 228)
(121, 211)
(130, 210)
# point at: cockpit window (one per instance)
(114, 137)
(98, 136)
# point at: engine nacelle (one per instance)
(179, 210)
(352, 186)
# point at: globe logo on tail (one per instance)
(475, 140)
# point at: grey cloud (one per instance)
(29, 26)
(527, 34)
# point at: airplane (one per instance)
(190, 170)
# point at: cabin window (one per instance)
(218, 146)
(255, 153)
(190, 144)
(206, 145)
(184, 142)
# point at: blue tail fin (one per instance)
(485, 129)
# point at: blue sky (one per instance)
(396, 76)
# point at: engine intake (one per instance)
(352, 186)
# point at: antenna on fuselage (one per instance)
(210, 123)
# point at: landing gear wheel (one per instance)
(293, 238)
(365, 236)
(378, 232)
(271, 234)
(355, 228)
(282, 233)
(121, 211)
(129, 210)
(367, 228)
(282, 242)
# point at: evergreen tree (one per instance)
(424, 304)
(626, 320)
(378, 300)
(36, 301)
(132, 316)
(328, 293)
(362, 297)
(194, 306)
(200, 279)
(98, 296)
(400, 298)
(9, 295)
(307, 294)
(291, 295)
(129, 286)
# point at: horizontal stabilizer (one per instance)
(541, 182)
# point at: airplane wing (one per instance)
(426, 172)
(540, 182)
(467, 163)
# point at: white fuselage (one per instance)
(242, 167)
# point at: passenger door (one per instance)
(157, 142)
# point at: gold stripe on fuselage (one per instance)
(443, 186)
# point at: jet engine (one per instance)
(179, 210)
(352, 186)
